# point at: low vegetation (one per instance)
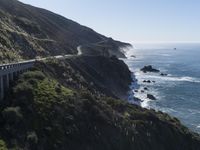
(44, 112)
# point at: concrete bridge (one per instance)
(8, 72)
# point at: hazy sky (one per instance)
(133, 20)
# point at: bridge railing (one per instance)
(9, 68)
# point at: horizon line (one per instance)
(154, 42)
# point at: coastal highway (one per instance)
(10, 70)
(4, 67)
(79, 50)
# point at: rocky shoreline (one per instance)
(136, 88)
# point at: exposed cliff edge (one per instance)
(27, 32)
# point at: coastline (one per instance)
(131, 95)
(177, 92)
(132, 99)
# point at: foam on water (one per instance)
(140, 75)
(173, 78)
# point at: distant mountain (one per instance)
(27, 32)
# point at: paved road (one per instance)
(79, 50)
(5, 66)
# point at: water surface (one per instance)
(178, 93)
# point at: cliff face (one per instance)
(59, 106)
(27, 32)
(108, 75)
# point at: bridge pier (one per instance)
(9, 72)
(7, 81)
(1, 88)
(11, 76)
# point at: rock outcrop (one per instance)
(149, 69)
(151, 97)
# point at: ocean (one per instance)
(178, 93)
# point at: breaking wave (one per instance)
(171, 78)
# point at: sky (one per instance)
(133, 20)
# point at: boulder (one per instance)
(151, 97)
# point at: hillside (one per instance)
(27, 32)
(78, 102)
(55, 107)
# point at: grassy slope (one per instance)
(45, 113)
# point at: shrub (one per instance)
(23, 88)
(33, 74)
(24, 94)
(3, 145)
(58, 88)
(32, 138)
(12, 115)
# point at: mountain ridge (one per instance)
(27, 32)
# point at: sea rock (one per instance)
(133, 56)
(149, 68)
(137, 99)
(136, 91)
(151, 97)
(163, 74)
(147, 81)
